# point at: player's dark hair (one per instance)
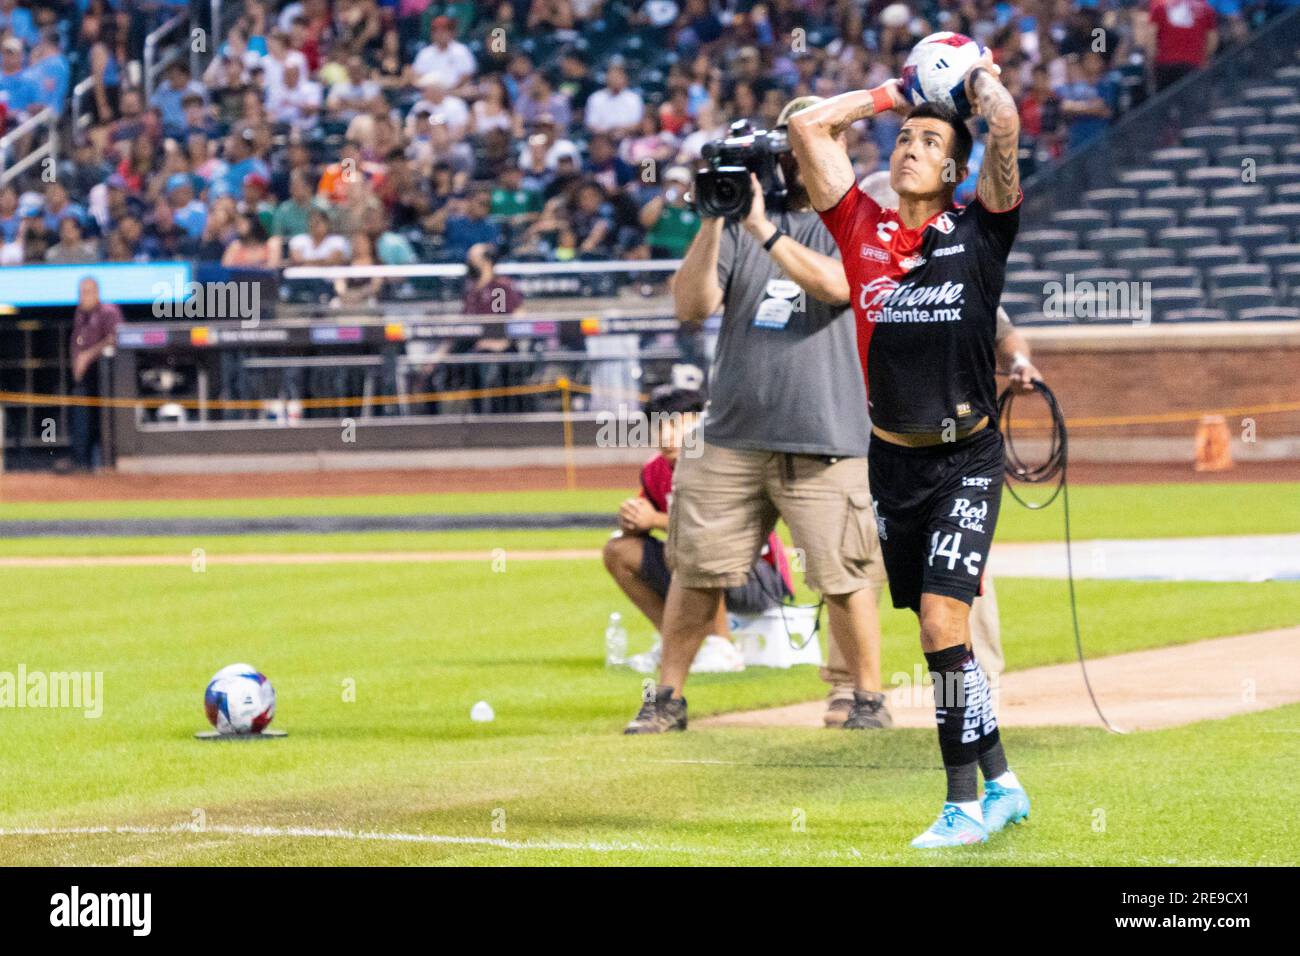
(961, 138)
(667, 399)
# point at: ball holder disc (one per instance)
(264, 735)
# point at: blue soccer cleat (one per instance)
(1003, 805)
(953, 828)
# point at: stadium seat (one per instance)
(1266, 96)
(1178, 198)
(1150, 219)
(1239, 274)
(1019, 260)
(1254, 238)
(1237, 115)
(1111, 200)
(1286, 192)
(1278, 256)
(1210, 177)
(1218, 218)
(1288, 276)
(1284, 214)
(1276, 135)
(1178, 159)
(1111, 241)
(1207, 257)
(1080, 221)
(1236, 154)
(1236, 298)
(1108, 274)
(1171, 277)
(1285, 113)
(1070, 260)
(1147, 178)
(1040, 241)
(1270, 313)
(1164, 300)
(1031, 282)
(1150, 257)
(1208, 137)
(1248, 198)
(1278, 174)
(1021, 304)
(1287, 76)
(1182, 238)
(1194, 315)
(1290, 153)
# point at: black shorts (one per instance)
(762, 589)
(936, 509)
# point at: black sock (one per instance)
(964, 714)
(993, 761)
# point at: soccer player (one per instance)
(925, 281)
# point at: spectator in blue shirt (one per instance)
(49, 73)
(188, 213)
(471, 225)
(1087, 100)
(169, 98)
(240, 162)
(18, 21)
(16, 86)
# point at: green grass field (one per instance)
(377, 667)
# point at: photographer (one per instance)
(785, 433)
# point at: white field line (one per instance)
(306, 557)
(337, 834)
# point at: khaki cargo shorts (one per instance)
(726, 501)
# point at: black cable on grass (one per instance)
(1055, 467)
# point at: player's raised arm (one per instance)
(814, 135)
(998, 186)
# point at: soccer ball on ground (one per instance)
(239, 700)
(935, 71)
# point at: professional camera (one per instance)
(723, 189)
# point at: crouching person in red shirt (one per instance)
(634, 557)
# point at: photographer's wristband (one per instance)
(767, 246)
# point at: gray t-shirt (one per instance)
(786, 375)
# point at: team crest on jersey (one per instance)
(943, 223)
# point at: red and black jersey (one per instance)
(926, 303)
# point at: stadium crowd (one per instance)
(397, 131)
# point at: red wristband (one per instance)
(881, 101)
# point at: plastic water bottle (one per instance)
(615, 641)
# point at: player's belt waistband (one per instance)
(927, 439)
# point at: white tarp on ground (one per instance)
(1263, 557)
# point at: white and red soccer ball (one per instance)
(239, 700)
(935, 71)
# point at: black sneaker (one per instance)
(660, 714)
(869, 712)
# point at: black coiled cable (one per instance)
(1054, 468)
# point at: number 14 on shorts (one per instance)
(948, 545)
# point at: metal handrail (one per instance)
(153, 66)
(79, 120)
(50, 147)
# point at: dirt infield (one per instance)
(111, 486)
(1144, 690)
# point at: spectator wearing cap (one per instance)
(444, 56)
(198, 118)
(614, 109)
(241, 159)
(72, 246)
(169, 97)
(668, 219)
(187, 212)
(438, 102)
(17, 89)
(296, 101)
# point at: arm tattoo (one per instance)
(999, 177)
